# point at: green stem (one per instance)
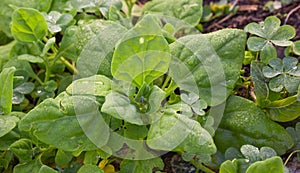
(287, 160)
(166, 82)
(201, 167)
(48, 70)
(171, 88)
(69, 65)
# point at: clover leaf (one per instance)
(283, 74)
(57, 21)
(196, 104)
(269, 33)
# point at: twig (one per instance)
(290, 13)
(233, 5)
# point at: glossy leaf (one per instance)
(188, 11)
(192, 60)
(61, 122)
(142, 55)
(137, 166)
(270, 165)
(6, 90)
(89, 169)
(179, 132)
(244, 123)
(284, 110)
(97, 85)
(28, 25)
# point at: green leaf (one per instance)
(47, 169)
(175, 131)
(5, 53)
(244, 123)
(189, 11)
(191, 66)
(25, 88)
(97, 85)
(256, 43)
(295, 133)
(228, 167)
(260, 84)
(28, 25)
(7, 123)
(137, 166)
(270, 26)
(67, 122)
(48, 46)
(296, 47)
(142, 55)
(63, 157)
(89, 169)
(277, 84)
(120, 107)
(284, 110)
(33, 166)
(108, 4)
(22, 149)
(282, 36)
(56, 21)
(268, 52)
(6, 90)
(270, 165)
(31, 58)
(256, 29)
(23, 68)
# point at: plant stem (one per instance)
(201, 167)
(48, 71)
(286, 161)
(166, 82)
(171, 88)
(69, 65)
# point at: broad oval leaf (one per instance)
(67, 122)
(6, 90)
(28, 25)
(90, 169)
(244, 123)
(284, 110)
(270, 165)
(142, 55)
(189, 11)
(196, 59)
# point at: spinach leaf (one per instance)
(89, 169)
(189, 11)
(6, 90)
(67, 122)
(23, 149)
(137, 166)
(28, 25)
(142, 55)
(208, 65)
(33, 166)
(270, 165)
(7, 123)
(244, 123)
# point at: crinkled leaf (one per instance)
(284, 110)
(270, 165)
(256, 43)
(142, 55)
(260, 84)
(89, 169)
(97, 85)
(7, 123)
(6, 89)
(28, 25)
(190, 11)
(22, 149)
(67, 122)
(31, 58)
(178, 130)
(198, 57)
(282, 36)
(268, 52)
(244, 123)
(137, 166)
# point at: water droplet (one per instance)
(39, 91)
(247, 160)
(141, 40)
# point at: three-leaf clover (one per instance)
(269, 33)
(194, 102)
(283, 74)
